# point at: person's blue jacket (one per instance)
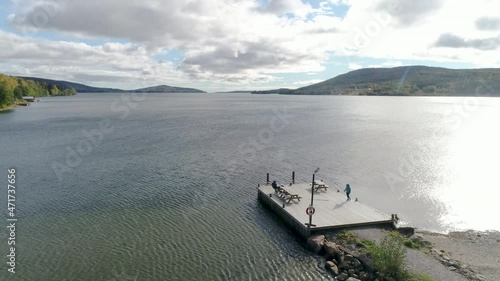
(347, 189)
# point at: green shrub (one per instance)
(390, 257)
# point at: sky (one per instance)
(225, 45)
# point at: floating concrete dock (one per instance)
(331, 210)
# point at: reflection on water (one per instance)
(474, 186)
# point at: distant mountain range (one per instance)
(81, 88)
(166, 89)
(397, 81)
(405, 81)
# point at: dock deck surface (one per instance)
(331, 209)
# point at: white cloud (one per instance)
(281, 7)
(354, 66)
(386, 64)
(380, 34)
(240, 41)
(110, 62)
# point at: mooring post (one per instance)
(267, 178)
(293, 177)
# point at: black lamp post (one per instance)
(312, 188)
(312, 200)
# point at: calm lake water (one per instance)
(162, 187)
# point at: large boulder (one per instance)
(332, 251)
(420, 239)
(417, 237)
(315, 243)
(332, 268)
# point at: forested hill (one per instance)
(80, 88)
(12, 89)
(167, 89)
(409, 81)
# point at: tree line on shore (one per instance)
(12, 89)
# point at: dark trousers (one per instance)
(348, 197)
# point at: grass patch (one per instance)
(422, 277)
(366, 244)
(348, 237)
(412, 244)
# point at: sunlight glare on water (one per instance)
(473, 194)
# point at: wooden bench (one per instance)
(287, 196)
(282, 193)
(320, 185)
(291, 197)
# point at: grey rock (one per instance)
(452, 263)
(417, 237)
(348, 257)
(332, 251)
(421, 239)
(435, 252)
(465, 271)
(342, 277)
(481, 277)
(332, 267)
(345, 265)
(353, 279)
(365, 277)
(357, 263)
(315, 243)
(351, 272)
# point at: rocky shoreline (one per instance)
(342, 264)
(474, 254)
(457, 256)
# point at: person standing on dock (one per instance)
(347, 191)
